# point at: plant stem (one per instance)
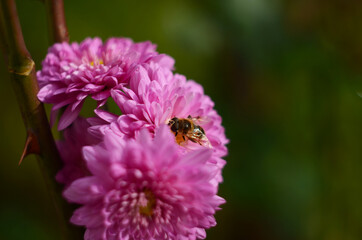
(58, 31)
(23, 78)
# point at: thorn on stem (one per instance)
(31, 146)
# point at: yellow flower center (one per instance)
(147, 210)
(99, 62)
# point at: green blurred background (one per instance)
(285, 77)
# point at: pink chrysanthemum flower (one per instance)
(71, 72)
(154, 96)
(70, 149)
(144, 189)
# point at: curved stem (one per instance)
(23, 78)
(58, 31)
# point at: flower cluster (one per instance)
(153, 171)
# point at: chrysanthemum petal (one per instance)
(84, 190)
(68, 116)
(74, 71)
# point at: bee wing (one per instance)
(199, 137)
(202, 121)
(204, 141)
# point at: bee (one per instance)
(187, 129)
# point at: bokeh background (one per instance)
(285, 77)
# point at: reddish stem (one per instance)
(23, 78)
(56, 20)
